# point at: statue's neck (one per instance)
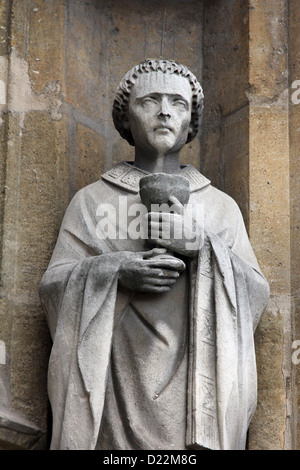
(157, 163)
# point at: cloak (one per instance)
(83, 304)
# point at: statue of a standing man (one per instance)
(153, 335)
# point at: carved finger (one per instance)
(172, 263)
(153, 252)
(177, 207)
(162, 273)
(154, 289)
(161, 241)
(153, 281)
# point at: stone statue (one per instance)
(153, 292)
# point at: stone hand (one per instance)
(150, 271)
(179, 232)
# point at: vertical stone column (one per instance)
(34, 174)
(246, 152)
(225, 142)
(269, 227)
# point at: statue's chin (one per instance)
(164, 140)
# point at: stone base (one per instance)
(17, 432)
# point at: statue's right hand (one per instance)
(149, 271)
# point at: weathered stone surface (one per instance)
(4, 45)
(212, 162)
(33, 210)
(45, 44)
(268, 51)
(33, 176)
(30, 348)
(91, 151)
(3, 147)
(269, 193)
(294, 165)
(34, 200)
(5, 365)
(87, 87)
(270, 218)
(4, 23)
(225, 43)
(235, 158)
(260, 87)
(271, 409)
(19, 433)
(85, 82)
(225, 82)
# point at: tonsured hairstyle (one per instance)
(120, 105)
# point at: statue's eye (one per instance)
(179, 103)
(148, 101)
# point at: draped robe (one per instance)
(224, 296)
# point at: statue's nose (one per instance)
(165, 110)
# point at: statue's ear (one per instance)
(125, 122)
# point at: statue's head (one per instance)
(137, 74)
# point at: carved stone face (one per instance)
(159, 113)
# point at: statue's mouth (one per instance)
(163, 128)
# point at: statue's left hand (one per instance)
(178, 231)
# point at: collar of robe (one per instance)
(126, 176)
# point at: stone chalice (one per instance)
(158, 188)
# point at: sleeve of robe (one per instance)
(223, 382)
(79, 292)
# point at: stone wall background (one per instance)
(60, 64)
